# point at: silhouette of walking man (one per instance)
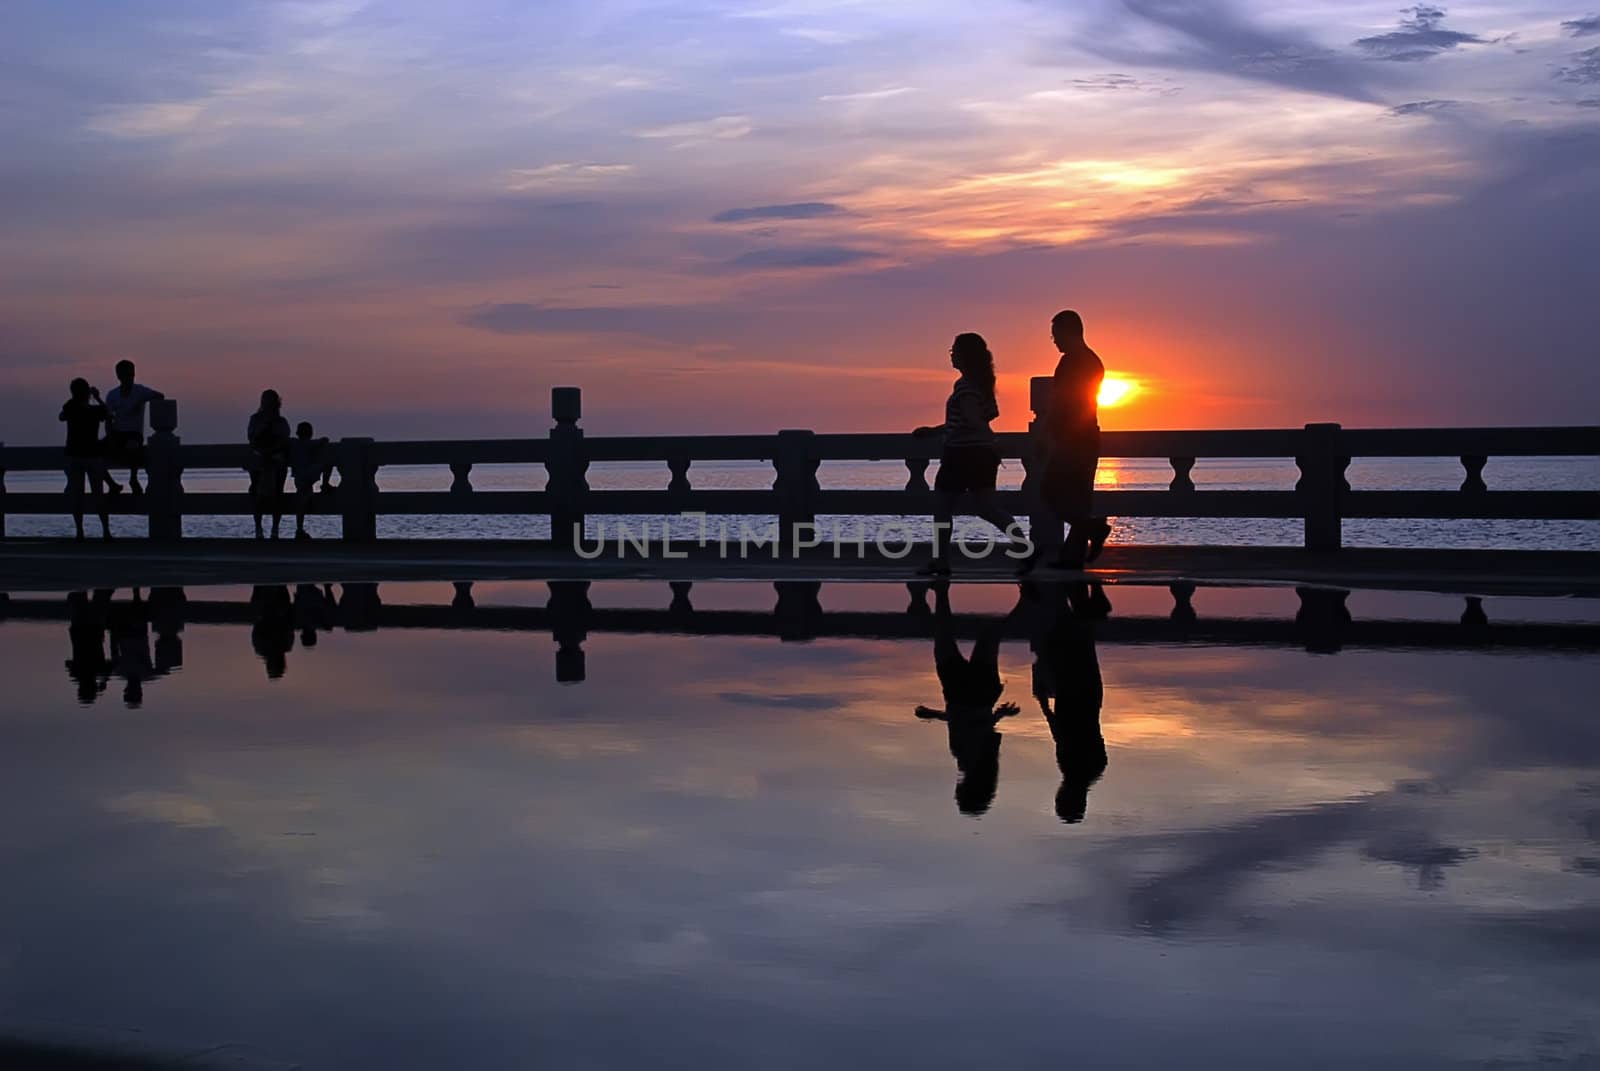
(1067, 671)
(971, 687)
(1073, 450)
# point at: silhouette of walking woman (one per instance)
(968, 462)
(268, 434)
(971, 687)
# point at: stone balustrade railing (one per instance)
(1322, 498)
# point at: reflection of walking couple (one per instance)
(969, 460)
(1066, 684)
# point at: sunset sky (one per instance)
(413, 218)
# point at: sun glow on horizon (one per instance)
(1117, 390)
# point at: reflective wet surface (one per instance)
(622, 825)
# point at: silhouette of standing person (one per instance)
(313, 611)
(972, 688)
(127, 401)
(969, 461)
(86, 630)
(84, 415)
(1073, 442)
(1067, 671)
(268, 434)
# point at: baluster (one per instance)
(680, 597)
(1182, 602)
(163, 474)
(463, 600)
(679, 467)
(918, 469)
(462, 473)
(1474, 463)
(358, 491)
(1181, 467)
(1044, 527)
(1322, 485)
(918, 590)
(1322, 618)
(799, 609)
(796, 484)
(1473, 616)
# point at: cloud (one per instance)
(1589, 102)
(1583, 27)
(1210, 36)
(1111, 83)
(801, 210)
(1421, 36)
(1585, 71)
(1424, 107)
(530, 318)
(871, 94)
(811, 256)
(722, 128)
(563, 174)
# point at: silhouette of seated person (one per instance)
(129, 624)
(88, 667)
(313, 611)
(272, 634)
(972, 688)
(1067, 672)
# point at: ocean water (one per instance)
(412, 827)
(1530, 474)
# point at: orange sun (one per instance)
(1117, 390)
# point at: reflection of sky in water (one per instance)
(415, 850)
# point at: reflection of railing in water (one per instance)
(1322, 622)
(1321, 498)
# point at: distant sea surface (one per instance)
(1432, 474)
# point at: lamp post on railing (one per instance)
(163, 498)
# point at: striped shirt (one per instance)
(967, 415)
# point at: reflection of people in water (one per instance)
(972, 688)
(1067, 671)
(272, 634)
(313, 611)
(86, 629)
(129, 623)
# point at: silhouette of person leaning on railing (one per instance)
(126, 403)
(972, 688)
(1069, 688)
(85, 414)
(313, 611)
(1072, 443)
(969, 460)
(268, 435)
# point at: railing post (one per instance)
(568, 467)
(358, 491)
(2, 490)
(164, 474)
(795, 483)
(1044, 527)
(1322, 486)
(569, 626)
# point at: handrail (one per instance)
(1322, 497)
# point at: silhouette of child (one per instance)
(309, 458)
